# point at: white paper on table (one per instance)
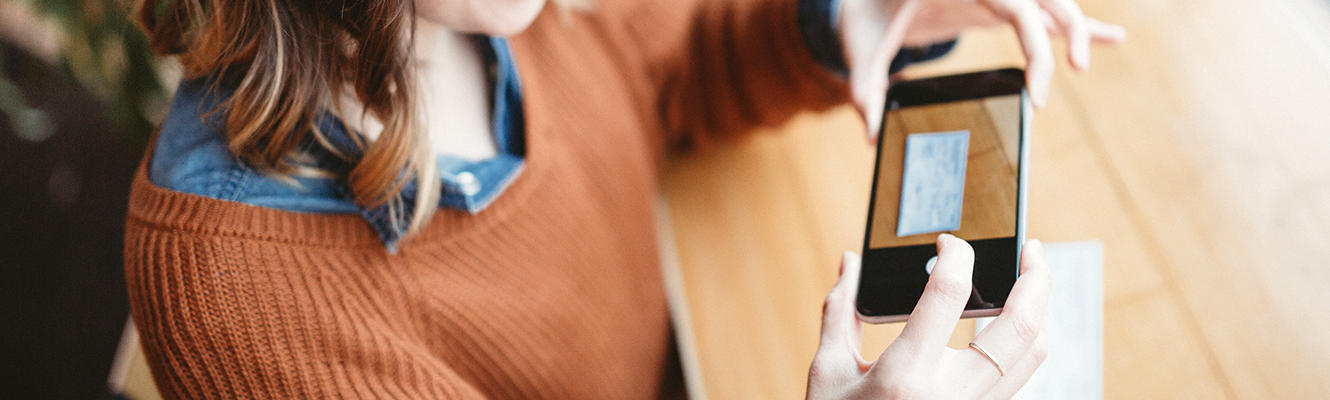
(1073, 325)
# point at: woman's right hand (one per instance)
(918, 364)
(873, 31)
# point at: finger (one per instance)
(1020, 373)
(869, 48)
(868, 88)
(870, 107)
(1106, 33)
(1050, 24)
(1011, 334)
(1068, 15)
(1027, 18)
(1100, 32)
(841, 330)
(939, 308)
(942, 21)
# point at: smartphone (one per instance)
(953, 157)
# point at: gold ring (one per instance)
(1001, 372)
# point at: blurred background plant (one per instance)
(80, 92)
(97, 43)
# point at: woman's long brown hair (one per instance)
(294, 60)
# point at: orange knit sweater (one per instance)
(554, 291)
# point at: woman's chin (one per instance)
(493, 17)
(509, 27)
(519, 18)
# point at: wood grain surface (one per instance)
(1197, 152)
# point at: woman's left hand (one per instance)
(918, 364)
(873, 31)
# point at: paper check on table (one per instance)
(933, 188)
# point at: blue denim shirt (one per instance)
(191, 154)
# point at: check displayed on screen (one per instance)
(933, 185)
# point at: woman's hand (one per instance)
(919, 365)
(874, 30)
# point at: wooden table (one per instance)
(1197, 152)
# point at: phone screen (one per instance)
(947, 162)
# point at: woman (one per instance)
(449, 198)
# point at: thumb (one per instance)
(868, 89)
(841, 331)
(872, 31)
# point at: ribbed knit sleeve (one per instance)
(743, 65)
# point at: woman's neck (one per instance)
(453, 94)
